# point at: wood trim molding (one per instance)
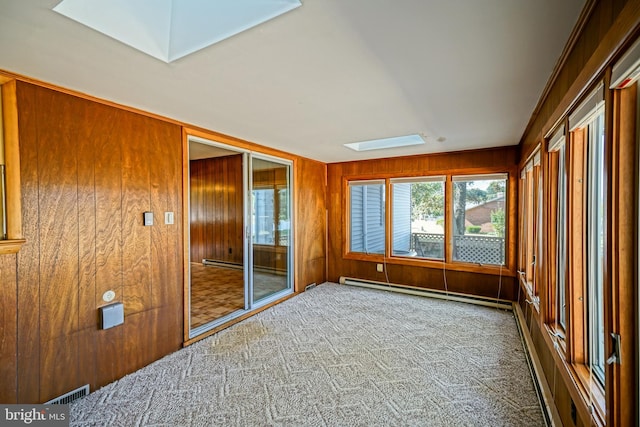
(11, 246)
(11, 133)
(186, 244)
(621, 392)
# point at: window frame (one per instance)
(13, 200)
(580, 251)
(531, 261)
(472, 178)
(557, 233)
(417, 180)
(349, 222)
(623, 393)
(507, 270)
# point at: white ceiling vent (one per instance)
(171, 29)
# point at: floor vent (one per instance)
(70, 397)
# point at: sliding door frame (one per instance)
(250, 307)
(290, 255)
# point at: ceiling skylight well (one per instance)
(379, 144)
(171, 29)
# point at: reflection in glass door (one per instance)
(239, 240)
(216, 234)
(270, 229)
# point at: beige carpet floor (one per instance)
(335, 356)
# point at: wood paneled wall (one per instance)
(217, 209)
(468, 162)
(310, 182)
(8, 329)
(89, 171)
(603, 34)
(606, 31)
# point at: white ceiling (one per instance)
(463, 73)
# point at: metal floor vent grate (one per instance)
(70, 397)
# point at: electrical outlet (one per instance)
(380, 268)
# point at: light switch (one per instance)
(168, 218)
(148, 218)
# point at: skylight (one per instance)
(171, 29)
(379, 144)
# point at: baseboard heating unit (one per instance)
(431, 293)
(543, 389)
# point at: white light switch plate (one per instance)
(168, 217)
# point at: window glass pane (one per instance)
(418, 219)
(561, 239)
(596, 256)
(263, 219)
(479, 220)
(284, 224)
(367, 218)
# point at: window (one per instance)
(263, 207)
(270, 204)
(530, 260)
(418, 217)
(479, 218)
(596, 256)
(455, 220)
(283, 226)
(589, 205)
(367, 216)
(558, 177)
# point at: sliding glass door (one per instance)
(239, 234)
(270, 228)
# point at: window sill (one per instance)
(11, 246)
(494, 270)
